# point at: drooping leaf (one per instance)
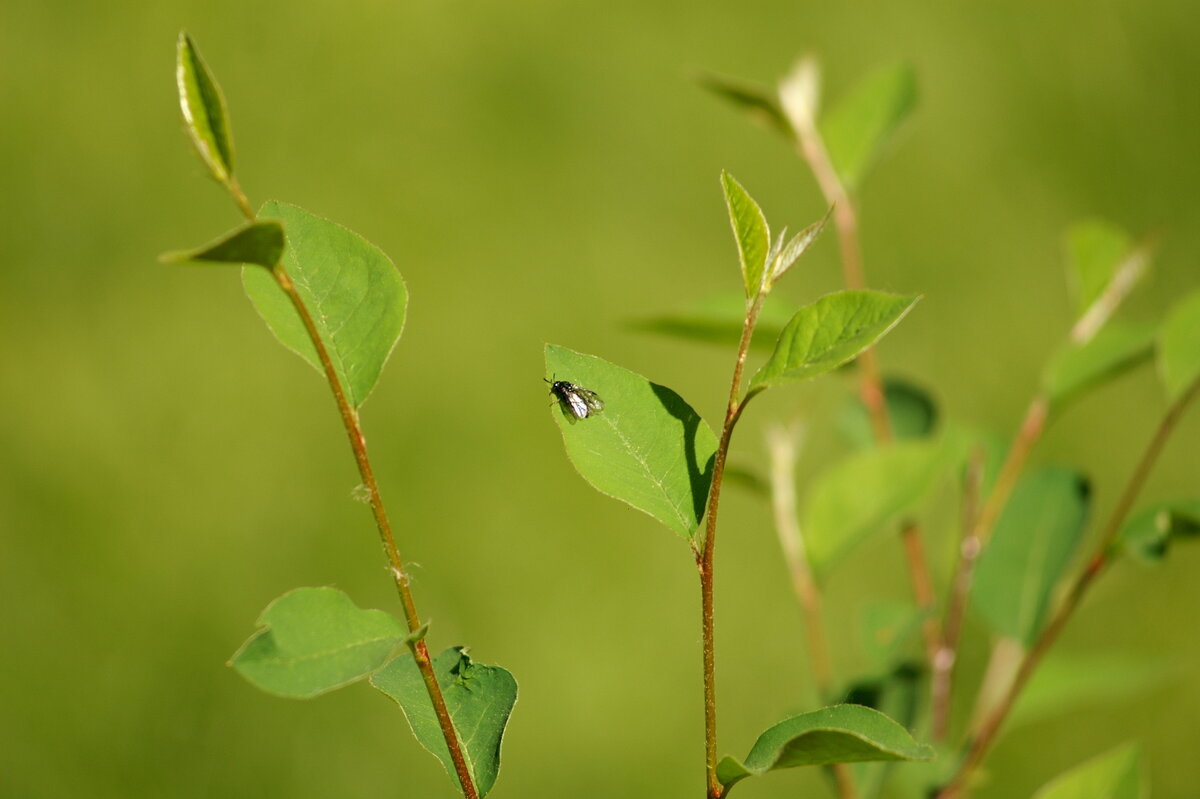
(896, 694)
(478, 698)
(751, 232)
(867, 493)
(314, 640)
(1117, 774)
(1029, 550)
(1094, 251)
(1114, 349)
(1149, 534)
(203, 107)
(352, 290)
(759, 102)
(857, 130)
(1067, 682)
(837, 734)
(719, 320)
(258, 243)
(1179, 346)
(829, 332)
(647, 448)
(911, 410)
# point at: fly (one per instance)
(575, 401)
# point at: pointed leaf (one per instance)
(759, 102)
(203, 107)
(1114, 775)
(1179, 347)
(352, 290)
(647, 448)
(788, 255)
(897, 695)
(255, 243)
(867, 493)
(911, 411)
(828, 333)
(751, 232)
(1077, 368)
(479, 699)
(837, 734)
(1094, 251)
(719, 320)
(1148, 535)
(314, 640)
(1029, 550)
(858, 129)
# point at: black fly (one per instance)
(576, 402)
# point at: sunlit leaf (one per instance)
(1029, 550)
(829, 332)
(857, 130)
(647, 447)
(204, 114)
(751, 232)
(352, 290)
(478, 698)
(791, 252)
(314, 640)
(1179, 346)
(1114, 775)
(838, 734)
(258, 243)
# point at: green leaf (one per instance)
(789, 254)
(1077, 368)
(759, 102)
(859, 128)
(1148, 535)
(1179, 346)
(751, 232)
(1094, 251)
(352, 290)
(647, 448)
(911, 410)
(888, 629)
(478, 698)
(897, 695)
(314, 640)
(1114, 775)
(1031, 546)
(867, 493)
(254, 243)
(837, 734)
(203, 107)
(719, 320)
(829, 332)
(1067, 682)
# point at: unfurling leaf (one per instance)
(204, 112)
(751, 232)
(790, 253)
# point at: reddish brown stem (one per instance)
(359, 445)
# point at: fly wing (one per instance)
(592, 400)
(578, 405)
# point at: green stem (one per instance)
(986, 733)
(358, 444)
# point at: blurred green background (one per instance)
(539, 171)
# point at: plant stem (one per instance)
(811, 147)
(990, 726)
(705, 553)
(358, 444)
